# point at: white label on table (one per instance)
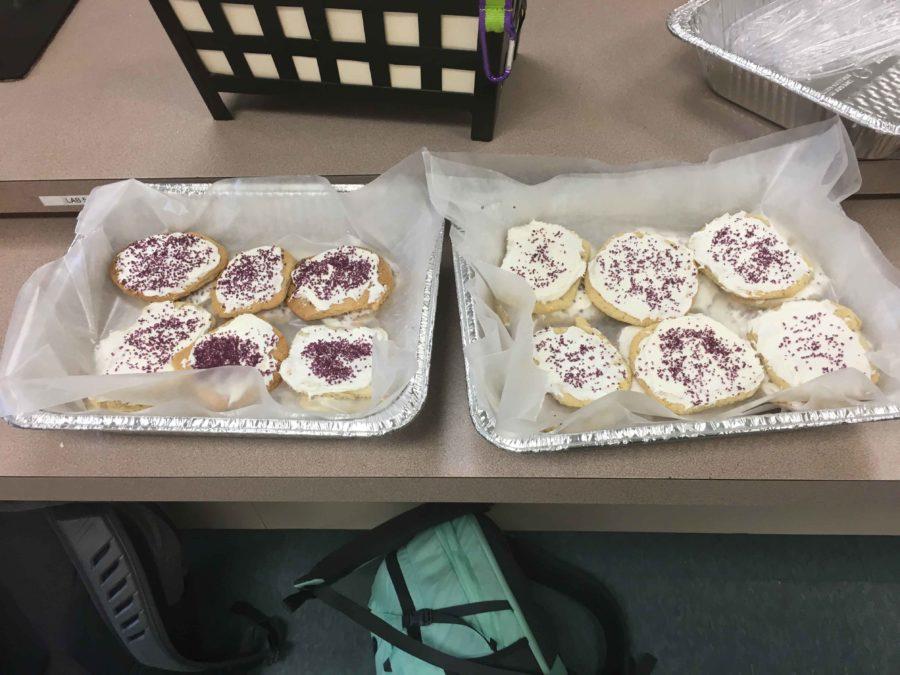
(63, 200)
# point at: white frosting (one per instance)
(547, 256)
(202, 295)
(246, 340)
(696, 362)
(579, 363)
(251, 277)
(804, 339)
(326, 360)
(156, 267)
(747, 256)
(161, 330)
(339, 274)
(645, 276)
(581, 308)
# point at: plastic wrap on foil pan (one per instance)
(866, 94)
(797, 178)
(46, 370)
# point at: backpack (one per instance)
(453, 594)
(130, 559)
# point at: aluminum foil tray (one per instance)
(868, 100)
(397, 414)
(663, 431)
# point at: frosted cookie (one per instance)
(641, 278)
(746, 257)
(167, 266)
(252, 281)
(693, 363)
(331, 362)
(246, 340)
(148, 346)
(804, 339)
(582, 364)
(550, 258)
(338, 281)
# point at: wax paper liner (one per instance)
(796, 178)
(66, 306)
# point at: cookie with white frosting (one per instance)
(551, 258)
(693, 363)
(246, 340)
(160, 331)
(748, 258)
(167, 266)
(338, 281)
(332, 362)
(581, 362)
(641, 278)
(804, 339)
(252, 281)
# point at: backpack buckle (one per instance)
(417, 619)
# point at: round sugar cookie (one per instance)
(581, 362)
(804, 339)
(551, 258)
(332, 362)
(246, 340)
(167, 266)
(252, 281)
(641, 278)
(339, 281)
(748, 258)
(693, 363)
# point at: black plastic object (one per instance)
(105, 553)
(429, 56)
(26, 28)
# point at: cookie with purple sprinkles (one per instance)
(693, 363)
(252, 281)
(167, 266)
(246, 340)
(339, 281)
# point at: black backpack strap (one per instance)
(376, 543)
(413, 647)
(548, 570)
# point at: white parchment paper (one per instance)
(796, 178)
(66, 306)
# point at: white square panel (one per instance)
(262, 65)
(405, 77)
(293, 23)
(242, 19)
(307, 68)
(354, 72)
(401, 28)
(459, 32)
(191, 15)
(454, 79)
(215, 61)
(345, 25)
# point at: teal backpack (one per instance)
(453, 594)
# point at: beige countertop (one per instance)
(440, 455)
(110, 98)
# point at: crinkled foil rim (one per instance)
(396, 415)
(680, 23)
(485, 422)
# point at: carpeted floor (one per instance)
(700, 603)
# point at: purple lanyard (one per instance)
(509, 27)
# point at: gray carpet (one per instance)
(700, 603)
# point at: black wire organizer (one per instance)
(373, 50)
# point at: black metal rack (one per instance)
(280, 54)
